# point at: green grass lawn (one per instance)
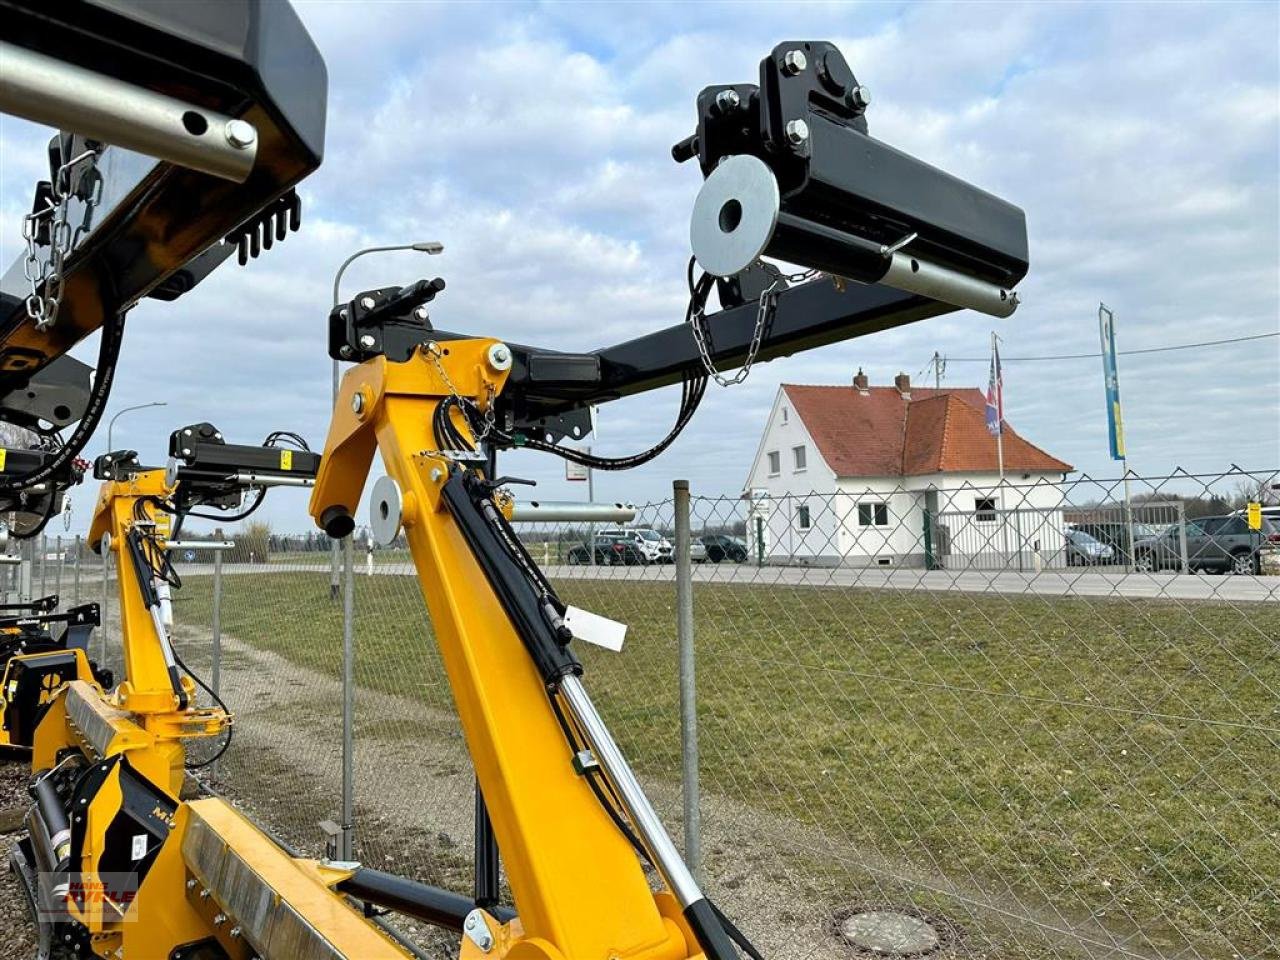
(1105, 757)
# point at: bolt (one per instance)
(727, 101)
(471, 922)
(240, 135)
(235, 933)
(793, 62)
(797, 131)
(367, 303)
(204, 893)
(220, 919)
(191, 884)
(186, 451)
(860, 97)
(420, 313)
(436, 474)
(344, 351)
(367, 341)
(343, 313)
(486, 943)
(357, 403)
(500, 356)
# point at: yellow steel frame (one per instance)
(579, 888)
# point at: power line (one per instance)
(1123, 353)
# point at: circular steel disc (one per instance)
(384, 511)
(734, 215)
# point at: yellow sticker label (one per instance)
(1254, 514)
(286, 459)
(3, 454)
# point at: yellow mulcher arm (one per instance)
(566, 811)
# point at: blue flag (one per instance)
(995, 395)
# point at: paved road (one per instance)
(1055, 583)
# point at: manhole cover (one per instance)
(887, 931)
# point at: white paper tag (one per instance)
(139, 847)
(593, 628)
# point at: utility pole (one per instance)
(939, 364)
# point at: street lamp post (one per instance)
(140, 406)
(347, 839)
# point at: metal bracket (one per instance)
(476, 929)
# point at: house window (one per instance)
(984, 509)
(775, 463)
(784, 414)
(873, 514)
(802, 517)
(798, 453)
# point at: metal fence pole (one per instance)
(215, 668)
(25, 574)
(1182, 537)
(688, 686)
(347, 842)
(57, 572)
(41, 546)
(75, 573)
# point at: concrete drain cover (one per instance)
(885, 931)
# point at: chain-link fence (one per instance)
(1025, 720)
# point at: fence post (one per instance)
(57, 575)
(40, 544)
(347, 841)
(688, 686)
(25, 574)
(75, 574)
(1182, 536)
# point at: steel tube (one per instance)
(567, 511)
(654, 835)
(348, 701)
(59, 94)
(689, 791)
(270, 480)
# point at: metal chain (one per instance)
(433, 350)
(764, 315)
(43, 307)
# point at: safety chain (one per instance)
(433, 350)
(43, 308)
(764, 316)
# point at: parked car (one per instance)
(610, 551)
(1115, 534)
(721, 547)
(697, 550)
(1084, 550)
(655, 547)
(1214, 545)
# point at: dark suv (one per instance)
(721, 547)
(1214, 545)
(610, 551)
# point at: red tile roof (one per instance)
(880, 433)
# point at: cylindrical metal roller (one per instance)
(60, 94)
(561, 511)
(738, 217)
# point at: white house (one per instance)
(900, 475)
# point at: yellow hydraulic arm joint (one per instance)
(579, 889)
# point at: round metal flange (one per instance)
(385, 512)
(889, 930)
(171, 472)
(734, 215)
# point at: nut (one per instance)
(793, 62)
(860, 97)
(367, 303)
(240, 134)
(797, 131)
(728, 101)
(357, 403)
(367, 341)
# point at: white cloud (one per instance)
(1141, 139)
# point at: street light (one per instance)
(422, 246)
(141, 406)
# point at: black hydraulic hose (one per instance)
(108, 354)
(441, 908)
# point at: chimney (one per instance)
(903, 383)
(861, 382)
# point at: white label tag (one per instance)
(139, 847)
(593, 628)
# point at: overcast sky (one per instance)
(1143, 141)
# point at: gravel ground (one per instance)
(19, 934)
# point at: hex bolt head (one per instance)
(728, 101)
(436, 474)
(471, 920)
(797, 131)
(500, 356)
(794, 62)
(344, 351)
(240, 135)
(420, 313)
(357, 403)
(860, 97)
(367, 303)
(367, 341)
